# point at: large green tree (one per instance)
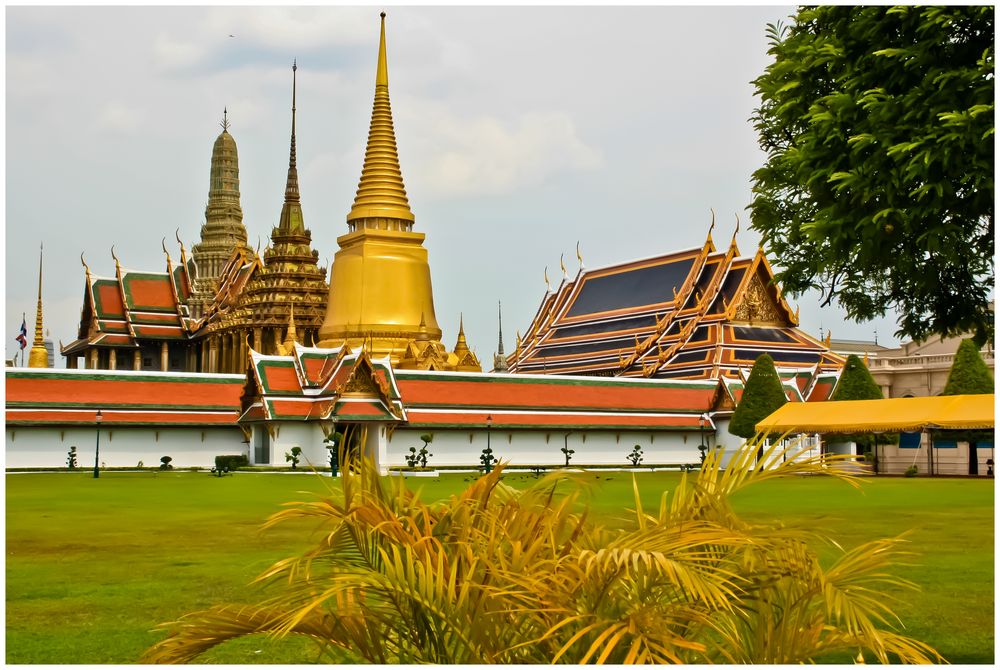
(878, 185)
(762, 395)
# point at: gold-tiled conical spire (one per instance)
(380, 192)
(38, 357)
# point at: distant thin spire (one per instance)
(38, 357)
(225, 120)
(499, 328)
(499, 360)
(292, 184)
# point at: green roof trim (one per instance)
(135, 376)
(106, 405)
(557, 380)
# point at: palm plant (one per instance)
(496, 575)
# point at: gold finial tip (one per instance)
(382, 15)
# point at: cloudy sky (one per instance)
(521, 131)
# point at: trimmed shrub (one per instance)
(635, 456)
(762, 395)
(968, 376)
(165, 463)
(71, 458)
(293, 456)
(911, 471)
(231, 462)
(857, 383)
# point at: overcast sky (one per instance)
(520, 131)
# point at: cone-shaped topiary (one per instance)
(969, 374)
(762, 395)
(856, 383)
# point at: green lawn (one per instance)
(94, 565)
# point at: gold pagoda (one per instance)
(380, 284)
(38, 357)
(256, 299)
(223, 231)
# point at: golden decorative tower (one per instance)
(288, 283)
(380, 284)
(38, 357)
(223, 230)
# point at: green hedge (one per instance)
(231, 461)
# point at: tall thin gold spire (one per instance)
(292, 184)
(381, 194)
(291, 211)
(38, 357)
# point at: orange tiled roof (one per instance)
(64, 397)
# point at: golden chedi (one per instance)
(380, 283)
(38, 357)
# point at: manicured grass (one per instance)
(94, 565)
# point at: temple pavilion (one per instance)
(700, 313)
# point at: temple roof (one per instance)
(692, 314)
(336, 384)
(133, 305)
(72, 397)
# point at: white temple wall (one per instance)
(305, 434)
(121, 446)
(462, 447)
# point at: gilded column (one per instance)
(113, 360)
(163, 356)
(137, 360)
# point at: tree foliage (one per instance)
(878, 186)
(762, 395)
(857, 383)
(496, 575)
(969, 374)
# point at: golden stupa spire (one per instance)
(461, 345)
(291, 211)
(380, 192)
(38, 357)
(290, 334)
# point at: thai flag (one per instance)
(22, 337)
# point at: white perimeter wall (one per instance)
(528, 447)
(47, 447)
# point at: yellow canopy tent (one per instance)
(891, 415)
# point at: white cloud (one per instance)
(284, 27)
(118, 117)
(171, 54)
(486, 155)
